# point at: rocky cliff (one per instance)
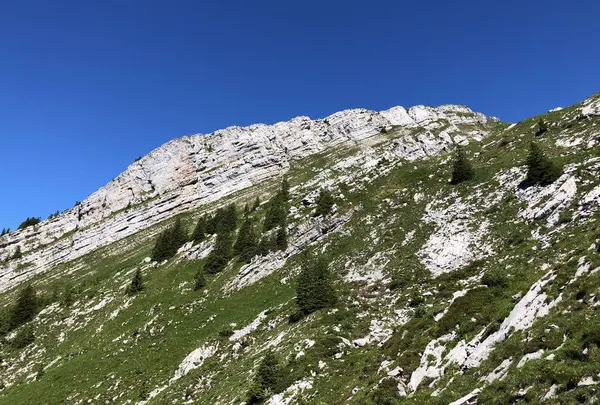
(195, 170)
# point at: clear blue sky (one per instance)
(87, 86)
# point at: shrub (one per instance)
(495, 278)
(386, 393)
(542, 128)
(226, 332)
(17, 254)
(461, 168)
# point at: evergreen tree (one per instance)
(267, 380)
(4, 231)
(314, 290)
(137, 284)
(540, 169)
(200, 230)
(282, 238)
(228, 221)
(285, 190)
(267, 245)
(199, 280)
(169, 241)
(461, 168)
(24, 337)
(18, 254)
(276, 212)
(25, 308)
(246, 245)
(541, 128)
(30, 221)
(246, 210)
(256, 204)
(324, 203)
(213, 222)
(221, 254)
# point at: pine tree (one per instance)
(276, 212)
(228, 221)
(25, 308)
(30, 221)
(267, 245)
(200, 230)
(256, 204)
(24, 337)
(213, 222)
(541, 128)
(199, 280)
(246, 245)
(540, 169)
(314, 290)
(324, 203)
(461, 168)
(137, 284)
(17, 254)
(267, 379)
(178, 236)
(285, 189)
(282, 238)
(221, 253)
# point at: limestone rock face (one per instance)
(194, 170)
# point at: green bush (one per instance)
(25, 308)
(221, 253)
(169, 241)
(30, 222)
(324, 203)
(495, 278)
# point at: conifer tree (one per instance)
(276, 211)
(540, 169)
(256, 204)
(137, 283)
(246, 245)
(282, 238)
(221, 253)
(199, 280)
(24, 337)
(25, 308)
(267, 379)
(314, 290)
(169, 241)
(461, 168)
(267, 245)
(541, 127)
(228, 222)
(200, 230)
(285, 189)
(213, 222)
(18, 254)
(324, 203)
(178, 236)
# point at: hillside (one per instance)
(479, 292)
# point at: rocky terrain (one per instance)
(480, 292)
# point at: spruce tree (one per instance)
(137, 284)
(540, 169)
(213, 222)
(267, 245)
(228, 221)
(246, 245)
(282, 238)
(461, 168)
(324, 203)
(314, 290)
(541, 128)
(256, 204)
(221, 253)
(285, 189)
(267, 380)
(178, 236)
(17, 254)
(276, 211)
(169, 241)
(25, 308)
(200, 230)
(199, 280)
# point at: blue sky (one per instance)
(86, 87)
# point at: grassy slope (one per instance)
(124, 358)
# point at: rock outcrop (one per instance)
(195, 170)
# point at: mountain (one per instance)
(377, 279)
